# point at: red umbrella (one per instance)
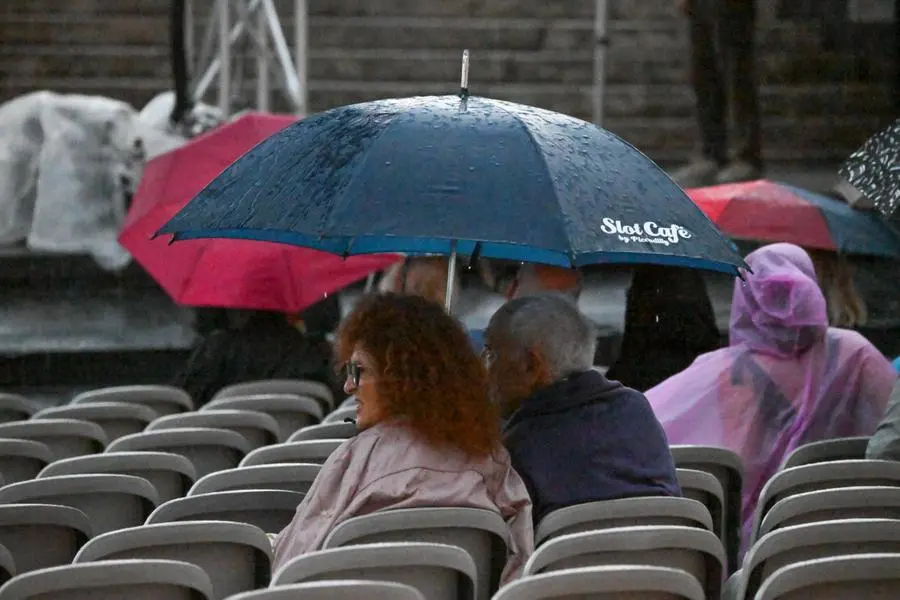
(221, 272)
(768, 211)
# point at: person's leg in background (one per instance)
(737, 45)
(707, 79)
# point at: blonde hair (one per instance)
(425, 276)
(846, 308)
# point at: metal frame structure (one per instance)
(254, 25)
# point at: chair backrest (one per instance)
(270, 510)
(295, 477)
(341, 415)
(7, 564)
(115, 418)
(324, 431)
(110, 501)
(336, 590)
(820, 476)
(726, 466)
(438, 571)
(292, 412)
(112, 580)
(21, 460)
(299, 387)
(869, 576)
(14, 407)
(172, 475)
(606, 583)
(236, 556)
(816, 540)
(849, 448)
(483, 534)
(163, 399)
(42, 535)
(209, 450)
(313, 451)
(695, 550)
(827, 505)
(703, 487)
(65, 437)
(258, 428)
(626, 512)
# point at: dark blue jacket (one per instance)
(586, 438)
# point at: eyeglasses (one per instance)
(354, 372)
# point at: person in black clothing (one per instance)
(669, 321)
(723, 75)
(573, 435)
(258, 345)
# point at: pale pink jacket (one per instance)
(387, 467)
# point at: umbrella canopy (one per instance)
(768, 211)
(432, 174)
(228, 273)
(874, 169)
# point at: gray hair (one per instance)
(552, 324)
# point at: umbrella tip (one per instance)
(464, 79)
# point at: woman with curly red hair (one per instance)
(429, 436)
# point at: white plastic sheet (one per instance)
(63, 164)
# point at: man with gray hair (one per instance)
(574, 436)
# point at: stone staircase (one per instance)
(819, 102)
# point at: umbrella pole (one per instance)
(370, 283)
(451, 277)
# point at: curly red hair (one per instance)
(426, 370)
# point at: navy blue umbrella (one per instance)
(434, 175)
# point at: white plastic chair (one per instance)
(292, 477)
(625, 512)
(290, 411)
(849, 448)
(172, 475)
(438, 571)
(313, 451)
(115, 418)
(703, 487)
(259, 429)
(341, 415)
(870, 502)
(691, 549)
(725, 466)
(112, 580)
(270, 510)
(42, 535)
(795, 544)
(236, 556)
(298, 387)
(483, 534)
(110, 502)
(65, 437)
(21, 460)
(324, 431)
(336, 590)
(606, 583)
(14, 407)
(209, 450)
(163, 399)
(869, 576)
(820, 476)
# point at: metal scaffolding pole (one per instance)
(256, 25)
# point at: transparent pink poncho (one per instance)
(785, 379)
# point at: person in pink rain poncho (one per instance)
(785, 379)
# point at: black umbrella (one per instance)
(874, 169)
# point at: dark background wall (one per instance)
(826, 84)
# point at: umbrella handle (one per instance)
(451, 277)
